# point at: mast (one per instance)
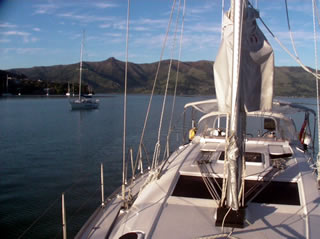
(232, 100)
(80, 78)
(237, 114)
(244, 73)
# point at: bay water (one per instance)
(47, 149)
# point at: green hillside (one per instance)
(194, 77)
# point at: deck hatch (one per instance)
(249, 157)
(285, 193)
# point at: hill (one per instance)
(194, 77)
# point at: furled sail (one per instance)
(257, 66)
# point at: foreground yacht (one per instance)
(245, 171)
(180, 198)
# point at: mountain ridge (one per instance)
(195, 78)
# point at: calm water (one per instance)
(47, 149)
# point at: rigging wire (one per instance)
(67, 190)
(290, 32)
(154, 84)
(317, 85)
(209, 177)
(316, 61)
(177, 77)
(38, 218)
(125, 106)
(157, 146)
(81, 57)
(286, 49)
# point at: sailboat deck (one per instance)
(263, 219)
(254, 169)
(287, 211)
(259, 219)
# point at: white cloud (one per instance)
(110, 34)
(149, 41)
(153, 22)
(120, 25)
(201, 41)
(21, 51)
(144, 24)
(4, 40)
(304, 7)
(200, 27)
(34, 39)
(7, 25)
(15, 33)
(105, 5)
(85, 18)
(208, 7)
(48, 8)
(36, 29)
(141, 28)
(28, 50)
(298, 36)
(107, 25)
(76, 36)
(26, 36)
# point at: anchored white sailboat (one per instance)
(83, 102)
(245, 172)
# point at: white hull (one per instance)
(176, 204)
(245, 173)
(84, 104)
(6, 94)
(158, 214)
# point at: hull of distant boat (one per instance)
(6, 94)
(84, 104)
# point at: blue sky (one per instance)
(49, 32)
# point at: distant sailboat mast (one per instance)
(80, 78)
(7, 85)
(68, 92)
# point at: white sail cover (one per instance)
(257, 66)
